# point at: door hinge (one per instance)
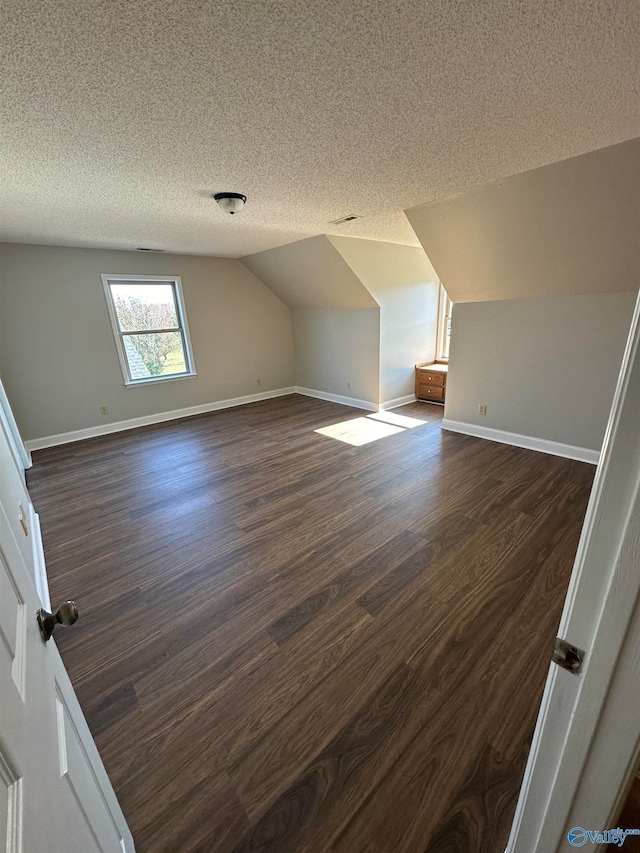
(567, 656)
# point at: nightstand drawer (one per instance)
(430, 392)
(426, 378)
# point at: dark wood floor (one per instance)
(290, 644)
(630, 817)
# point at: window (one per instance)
(150, 327)
(444, 325)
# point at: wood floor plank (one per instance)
(479, 823)
(169, 706)
(277, 760)
(199, 811)
(289, 643)
(393, 637)
(361, 576)
(445, 533)
(111, 708)
(309, 808)
(469, 663)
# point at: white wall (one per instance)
(546, 368)
(335, 347)
(58, 357)
(405, 285)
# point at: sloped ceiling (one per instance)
(385, 268)
(310, 274)
(119, 120)
(568, 228)
(340, 272)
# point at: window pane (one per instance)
(161, 354)
(144, 306)
(444, 324)
(447, 338)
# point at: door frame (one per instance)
(586, 742)
(20, 453)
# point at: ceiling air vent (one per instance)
(145, 249)
(342, 219)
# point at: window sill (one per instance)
(158, 380)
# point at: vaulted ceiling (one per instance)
(310, 273)
(340, 272)
(568, 228)
(119, 120)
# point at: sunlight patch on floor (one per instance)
(397, 420)
(359, 431)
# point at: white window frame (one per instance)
(118, 334)
(444, 302)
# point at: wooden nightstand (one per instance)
(431, 381)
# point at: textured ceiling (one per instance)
(118, 119)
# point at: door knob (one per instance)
(66, 615)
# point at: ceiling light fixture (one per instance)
(230, 202)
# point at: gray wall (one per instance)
(58, 358)
(345, 274)
(335, 347)
(546, 368)
(406, 287)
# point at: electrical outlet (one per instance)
(104, 410)
(258, 381)
(348, 386)
(482, 409)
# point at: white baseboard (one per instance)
(555, 448)
(356, 403)
(160, 417)
(338, 398)
(398, 401)
(132, 423)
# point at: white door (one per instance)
(587, 738)
(55, 795)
